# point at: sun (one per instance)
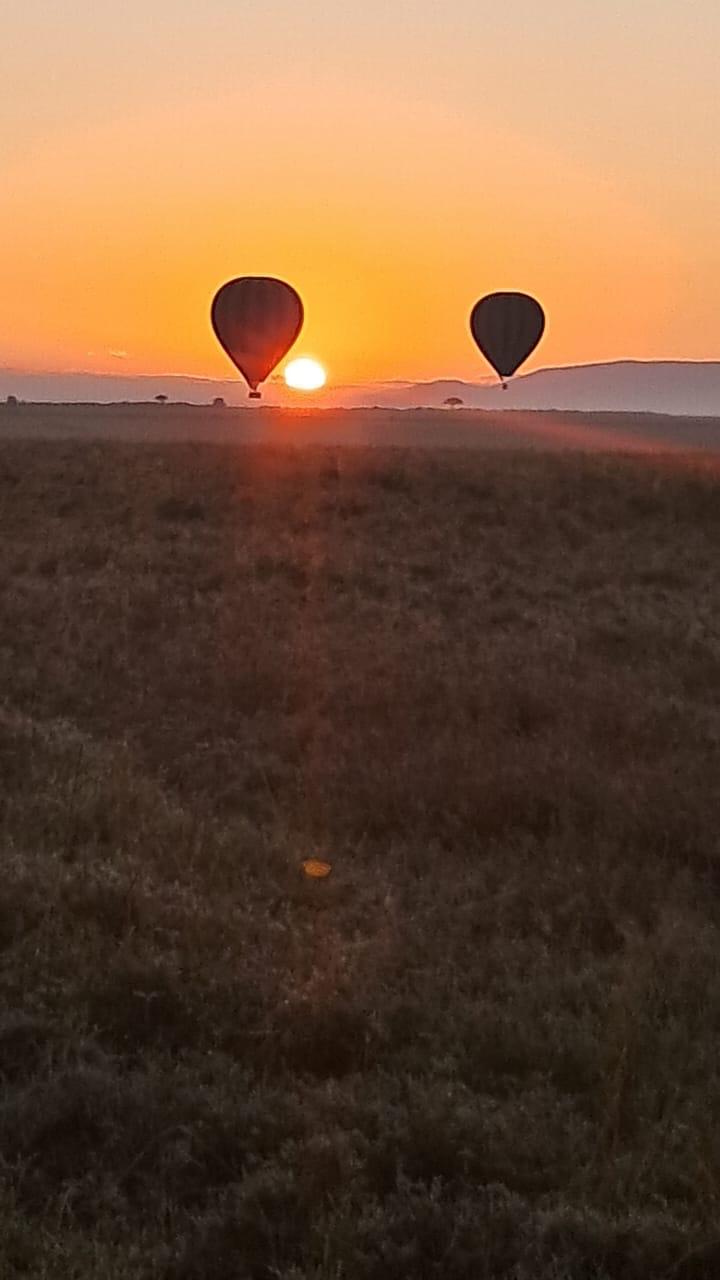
(305, 374)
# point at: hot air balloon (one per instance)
(256, 320)
(507, 328)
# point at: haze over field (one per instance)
(418, 429)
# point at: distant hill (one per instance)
(675, 387)
(687, 388)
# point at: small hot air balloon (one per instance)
(507, 328)
(256, 320)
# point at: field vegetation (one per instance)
(484, 686)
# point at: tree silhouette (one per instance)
(218, 403)
(453, 402)
(161, 399)
(12, 402)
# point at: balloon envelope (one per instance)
(256, 320)
(507, 328)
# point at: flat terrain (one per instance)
(465, 428)
(484, 686)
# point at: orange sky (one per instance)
(393, 165)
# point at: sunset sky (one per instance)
(392, 159)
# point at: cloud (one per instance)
(118, 355)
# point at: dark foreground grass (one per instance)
(486, 689)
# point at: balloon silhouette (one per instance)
(256, 320)
(507, 328)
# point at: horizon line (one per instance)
(482, 380)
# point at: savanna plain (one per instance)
(483, 685)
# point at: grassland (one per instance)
(485, 687)
(400, 428)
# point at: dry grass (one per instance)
(485, 688)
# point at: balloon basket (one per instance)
(254, 395)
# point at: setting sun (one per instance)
(305, 375)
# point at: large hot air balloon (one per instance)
(256, 320)
(507, 328)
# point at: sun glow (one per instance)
(305, 375)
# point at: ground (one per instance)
(406, 428)
(483, 686)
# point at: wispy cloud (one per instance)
(118, 355)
